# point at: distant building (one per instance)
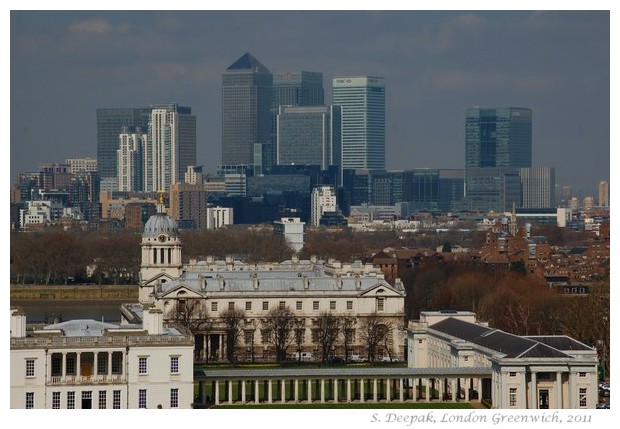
(323, 200)
(362, 99)
(130, 159)
(85, 364)
(537, 187)
(189, 203)
(218, 217)
(603, 193)
(293, 231)
(82, 164)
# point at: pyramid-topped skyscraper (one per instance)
(246, 122)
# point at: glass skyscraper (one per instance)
(247, 88)
(497, 140)
(362, 99)
(298, 88)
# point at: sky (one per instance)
(65, 64)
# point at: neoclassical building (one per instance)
(90, 364)
(200, 291)
(551, 371)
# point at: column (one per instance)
(202, 389)
(466, 387)
(230, 392)
(217, 392)
(401, 390)
(78, 370)
(375, 390)
(388, 390)
(243, 391)
(322, 390)
(558, 390)
(109, 363)
(208, 352)
(454, 389)
(414, 388)
(428, 390)
(572, 403)
(220, 354)
(522, 397)
(296, 391)
(335, 390)
(256, 392)
(362, 390)
(348, 390)
(533, 392)
(282, 397)
(96, 364)
(269, 392)
(309, 391)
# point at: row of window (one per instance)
(87, 399)
(143, 364)
(583, 397)
(298, 305)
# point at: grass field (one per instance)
(349, 406)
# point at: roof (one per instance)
(560, 342)
(248, 62)
(160, 223)
(81, 327)
(512, 346)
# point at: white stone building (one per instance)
(308, 287)
(323, 200)
(552, 371)
(91, 364)
(292, 228)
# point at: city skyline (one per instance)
(436, 65)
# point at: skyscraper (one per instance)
(603, 193)
(110, 122)
(309, 135)
(131, 159)
(538, 187)
(298, 88)
(498, 141)
(247, 87)
(362, 99)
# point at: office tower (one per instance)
(537, 187)
(292, 228)
(218, 217)
(247, 87)
(110, 122)
(323, 200)
(309, 135)
(130, 159)
(188, 205)
(193, 175)
(496, 139)
(362, 99)
(603, 193)
(171, 147)
(298, 88)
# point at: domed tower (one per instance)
(161, 248)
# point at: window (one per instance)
(332, 305)
(56, 400)
(583, 397)
(29, 400)
(142, 367)
(214, 306)
(315, 305)
(513, 374)
(350, 336)
(70, 400)
(142, 398)
(582, 374)
(282, 304)
(465, 358)
(298, 305)
(512, 399)
(70, 361)
(248, 305)
(29, 367)
(231, 306)
(116, 399)
(174, 398)
(174, 364)
(102, 363)
(102, 399)
(264, 336)
(117, 359)
(265, 305)
(249, 337)
(349, 305)
(380, 304)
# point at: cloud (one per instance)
(98, 26)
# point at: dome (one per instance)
(160, 223)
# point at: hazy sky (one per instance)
(66, 64)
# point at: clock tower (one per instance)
(161, 247)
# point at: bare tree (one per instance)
(373, 333)
(299, 332)
(328, 328)
(278, 326)
(348, 333)
(190, 313)
(233, 319)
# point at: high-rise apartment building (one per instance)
(247, 88)
(537, 187)
(188, 204)
(81, 164)
(130, 162)
(309, 135)
(603, 193)
(362, 99)
(497, 141)
(323, 200)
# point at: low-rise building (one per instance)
(92, 364)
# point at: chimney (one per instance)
(358, 282)
(306, 282)
(255, 281)
(18, 323)
(220, 282)
(295, 259)
(339, 281)
(152, 320)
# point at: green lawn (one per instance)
(332, 406)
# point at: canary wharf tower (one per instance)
(363, 120)
(247, 88)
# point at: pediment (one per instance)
(382, 288)
(163, 277)
(180, 291)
